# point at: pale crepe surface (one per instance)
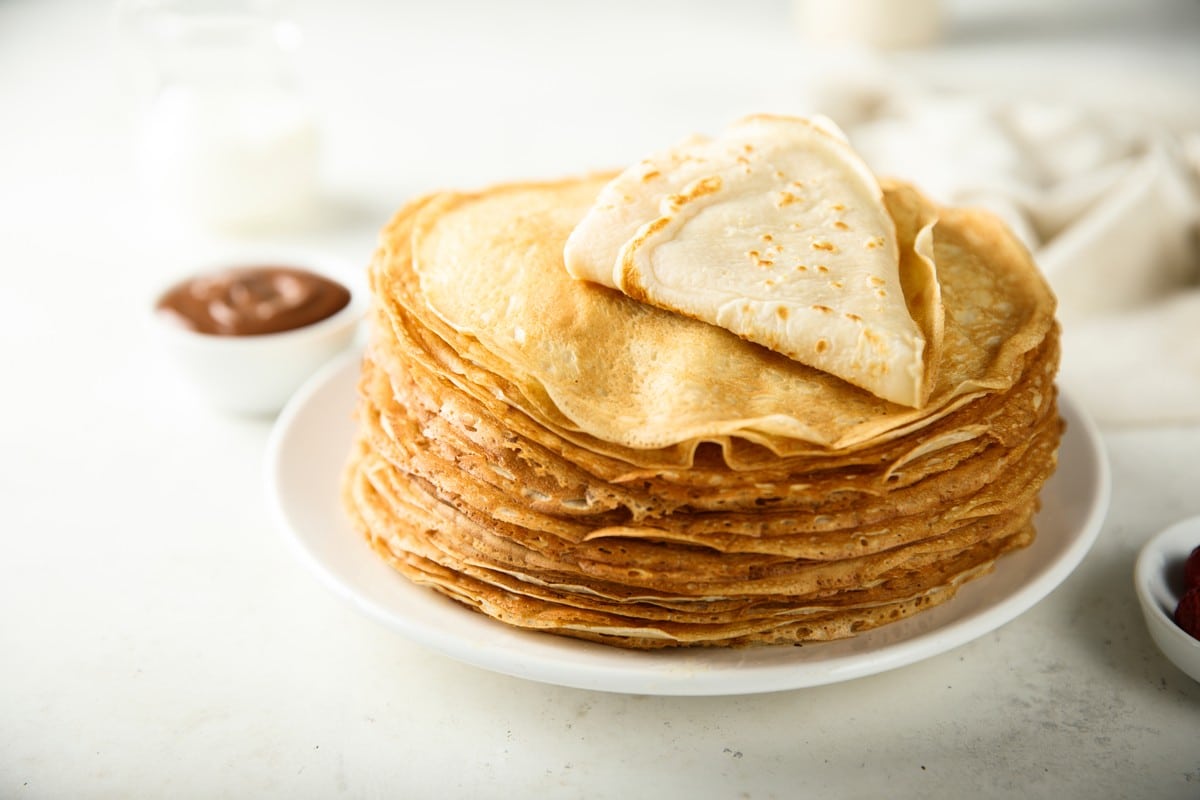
(775, 231)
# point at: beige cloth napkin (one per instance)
(1108, 203)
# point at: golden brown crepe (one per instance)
(565, 458)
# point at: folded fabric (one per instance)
(1108, 203)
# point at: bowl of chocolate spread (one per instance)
(248, 332)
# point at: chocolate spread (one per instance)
(253, 300)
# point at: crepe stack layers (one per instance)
(604, 453)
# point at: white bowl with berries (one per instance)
(1167, 578)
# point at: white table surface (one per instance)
(157, 639)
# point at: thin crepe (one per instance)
(777, 232)
(488, 279)
(482, 471)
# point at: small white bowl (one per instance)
(1158, 578)
(255, 375)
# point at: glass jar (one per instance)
(227, 138)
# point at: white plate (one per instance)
(309, 447)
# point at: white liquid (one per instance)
(233, 159)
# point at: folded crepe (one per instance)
(779, 233)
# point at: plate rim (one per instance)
(524, 654)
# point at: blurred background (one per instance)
(408, 96)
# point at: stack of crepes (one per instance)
(625, 443)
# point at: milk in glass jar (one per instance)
(228, 139)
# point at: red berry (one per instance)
(1187, 613)
(1191, 570)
